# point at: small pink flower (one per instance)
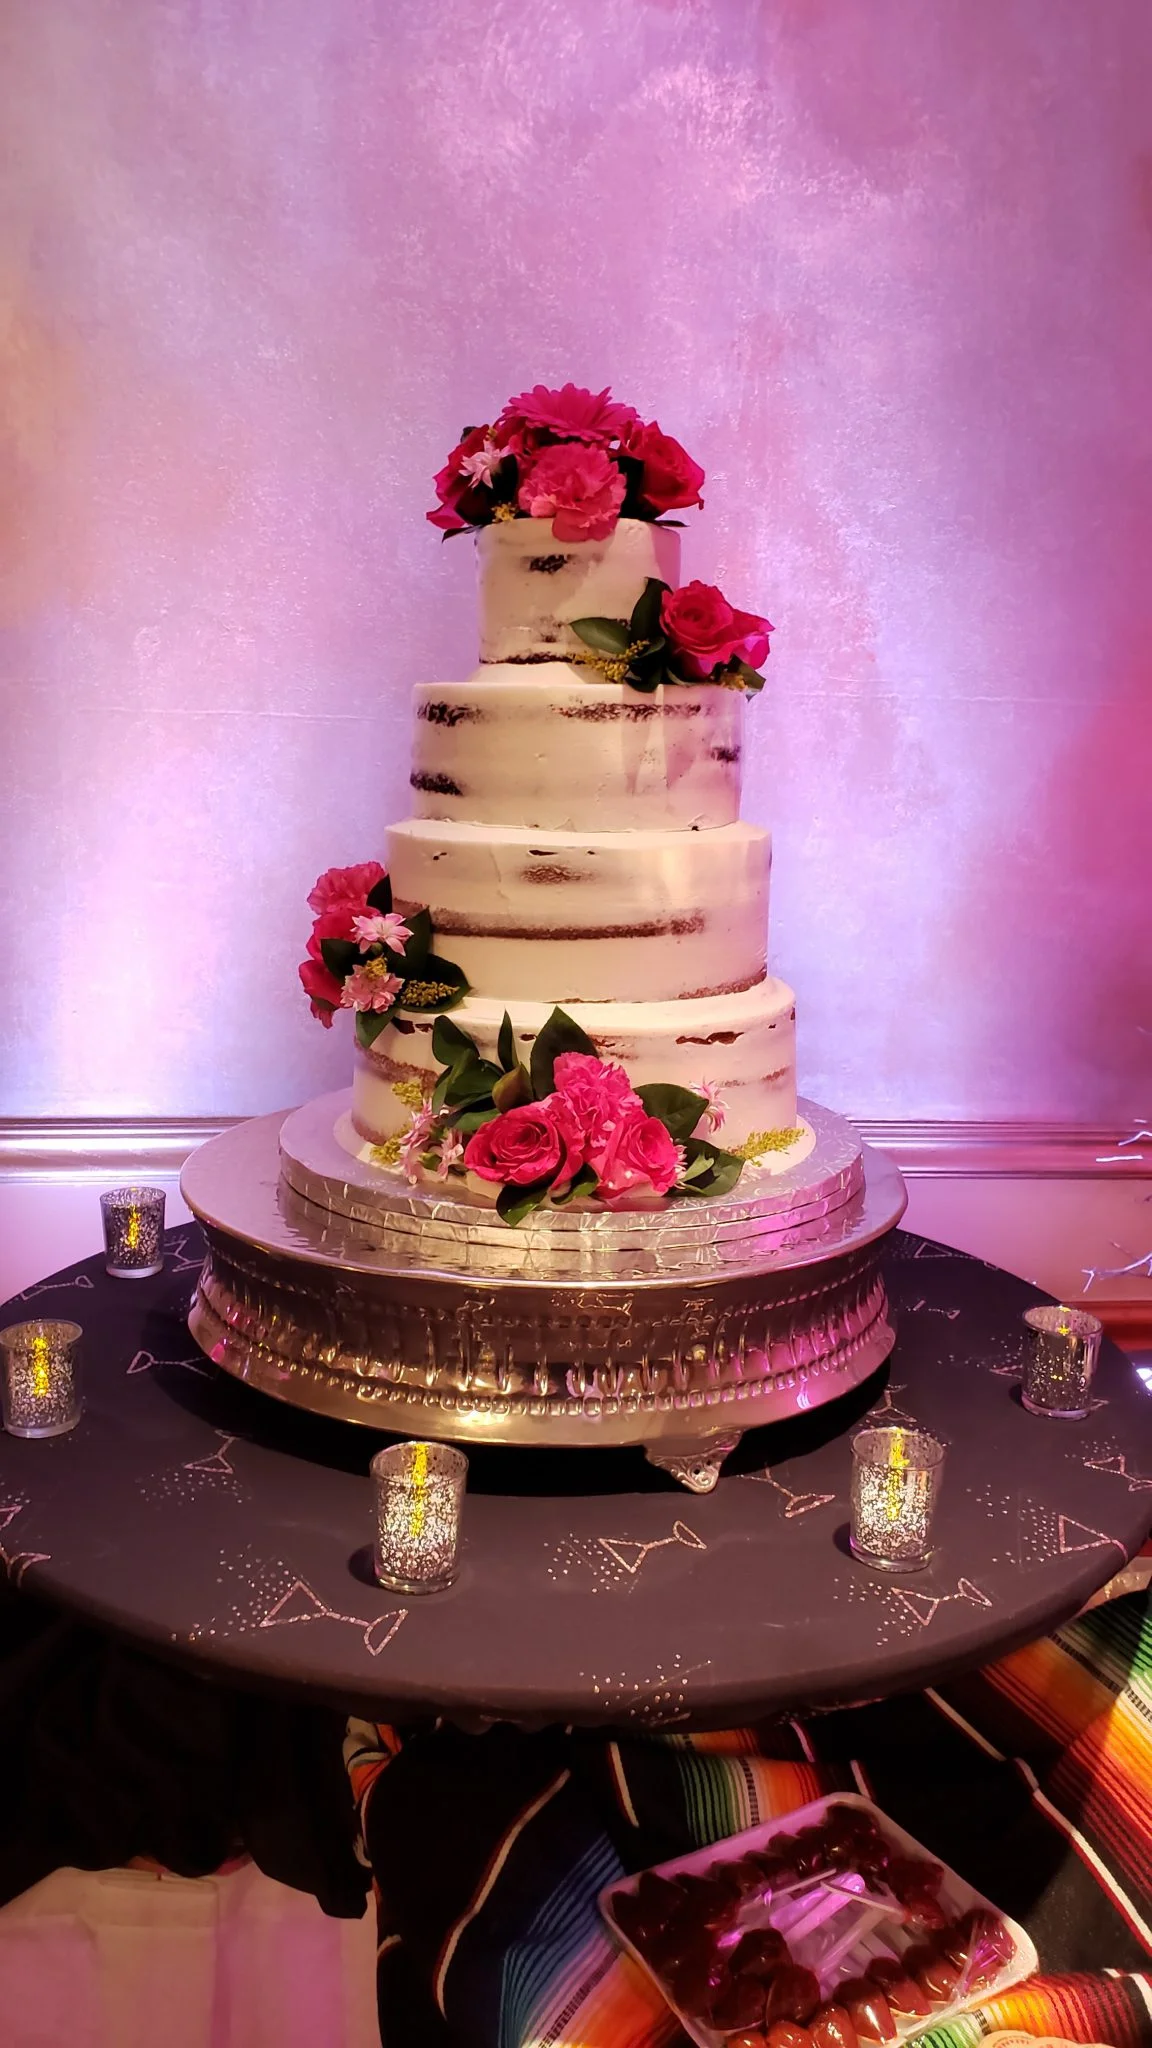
(416, 1139)
(570, 414)
(481, 465)
(640, 1155)
(598, 1094)
(382, 928)
(322, 989)
(365, 989)
(704, 631)
(580, 489)
(669, 478)
(717, 1109)
(525, 1144)
(451, 1154)
(346, 885)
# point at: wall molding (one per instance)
(1009, 1149)
(62, 1147)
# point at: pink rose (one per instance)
(464, 501)
(322, 989)
(570, 414)
(580, 489)
(639, 1155)
(346, 885)
(597, 1093)
(670, 478)
(527, 1143)
(704, 631)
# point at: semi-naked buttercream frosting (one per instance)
(578, 843)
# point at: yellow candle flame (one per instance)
(898, 1462)
(419, 1508)
(132, 1234)
(41, 1366)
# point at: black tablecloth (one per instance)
(193, 1515)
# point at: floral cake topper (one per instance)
(577, 458)
(365, 957)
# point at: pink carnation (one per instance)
(322, 989)
(367, 990)
(526, 1144)
(597, 1093)
(640, 1155)
(570, 414)
(346, 885)
(580, 489)
(704, 631)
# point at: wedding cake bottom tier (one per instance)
(737, 1049)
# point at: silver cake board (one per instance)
(331, 1283)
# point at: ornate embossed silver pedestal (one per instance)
(331, 1283)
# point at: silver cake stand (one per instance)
(331, 1283)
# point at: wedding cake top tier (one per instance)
(532, 586)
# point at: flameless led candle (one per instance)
(133, 1232)
(1061, 1362)
(896, 1477)
(418, 1489)
(40, 1378)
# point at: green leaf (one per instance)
(380, 896)
(513, 1203)
(465, 1121)
(449, 1043)
(512, 1089)
(369, 1025)
(645, 620)
(418, 947)
(506, 1044)
(583, 1183)
(609, 636)
(558, 1034)
(471, 1082)
(679, 1109)
(722, 1169)
(339, 956)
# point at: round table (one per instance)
(202, 1518)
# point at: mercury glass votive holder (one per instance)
(1061, 1362)
(418, 1490)
(40, 1378)
(133, 1232)
(896, 1479)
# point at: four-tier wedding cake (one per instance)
(559, 973)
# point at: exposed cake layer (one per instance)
(531, 585)
(548, 747)
(742, 1046)
(562, 917)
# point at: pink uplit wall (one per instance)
(886, 266)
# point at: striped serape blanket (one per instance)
(1033, 1779)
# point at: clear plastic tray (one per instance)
(829, 1926)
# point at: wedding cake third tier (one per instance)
(560, 974)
